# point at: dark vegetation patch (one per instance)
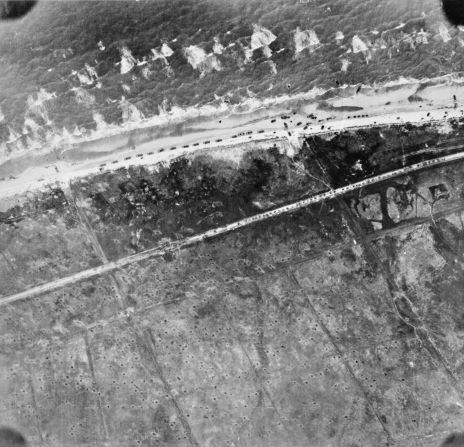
(51, 202)
(192, 196)
(9, 437)
(355, 155)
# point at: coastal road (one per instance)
(215, 232)
(62, 171)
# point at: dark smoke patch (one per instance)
(11, 438)
(15, 9)
(454, 440)
(454, 11)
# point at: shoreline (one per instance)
(148, 146)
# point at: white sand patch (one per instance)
(248, 52)
(444, 32)
(409, 39)
(195, 56)
(339, 37)
(422, 37)
(12, 135)
(373, 98)
(100, 122)
(359, 46)
(37, 104)
(218, 48)
(156, 54)
(3, 153)
(91, 71)
(440, 93)
(273, 67)
(42, 97)
(250, 93)
(345, 64)
(444, 128)
(130, 113)
(66, 135)
(267, 52)
(199, 60)
(127, 60)
(146, 72)
(305, 39)
(83, 77)
(77, 132)
(261, 37)
(401, 81)
(166, 50)
(143, 62)
(163, 55)
(30, 126)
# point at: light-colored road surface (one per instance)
(286, 209)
